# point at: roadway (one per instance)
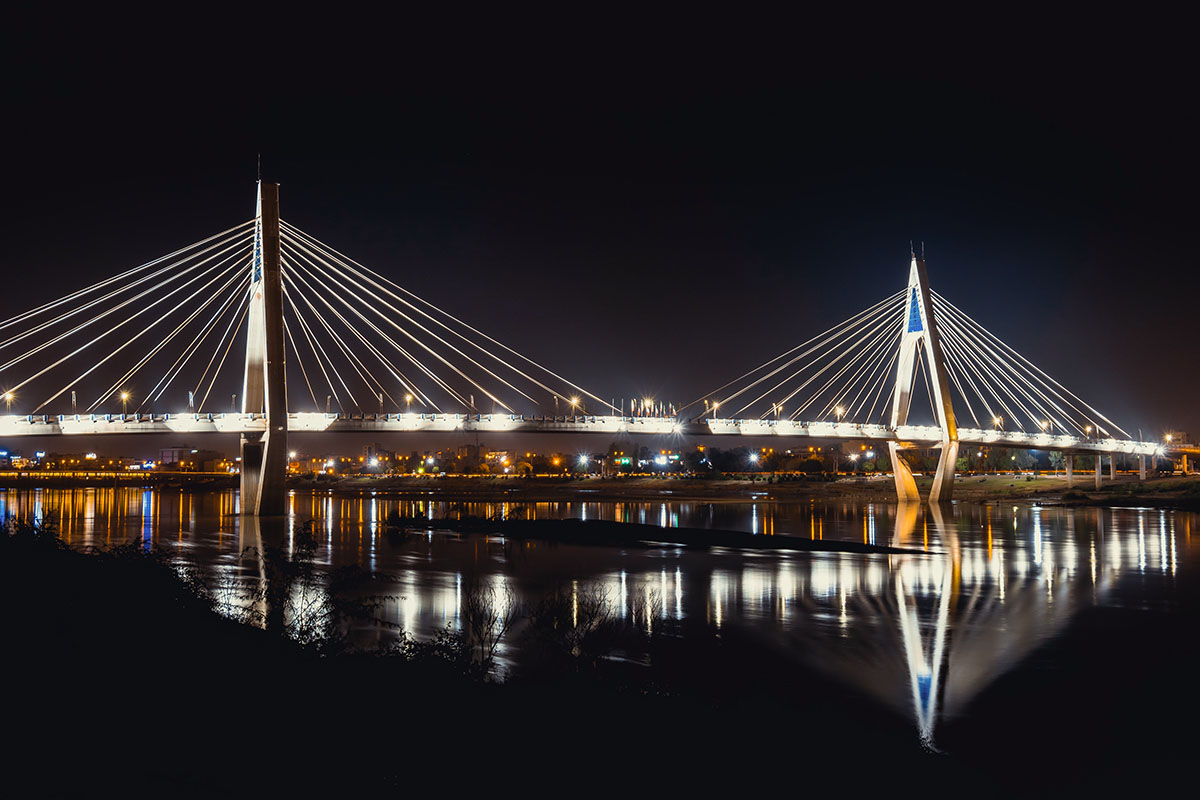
(312, 422)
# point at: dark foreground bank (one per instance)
(168, 696)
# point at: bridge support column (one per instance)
(943, 480)
(906, 485)
(1099, 468)
(1112, 467)
(264, 458)
(1184, 465)
(1070, 470)
(1141, 468)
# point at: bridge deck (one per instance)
(917, 435)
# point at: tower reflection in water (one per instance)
(977, 588)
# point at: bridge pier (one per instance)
(1141, 468)
(1112, 467)
(906, 484)
(943, 479)
(1184, 465)
(1099, 469)
(1070, 470)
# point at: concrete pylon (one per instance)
(1070, 470)
(1099, 468)
(1112, 467)
(264, 390)
(920, 331)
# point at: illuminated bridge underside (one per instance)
(910, 435)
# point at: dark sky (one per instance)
(650, 210)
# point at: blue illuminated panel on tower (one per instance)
(914, 315)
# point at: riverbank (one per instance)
(1181, 492)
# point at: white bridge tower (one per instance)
(264, 390)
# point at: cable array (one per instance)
(79, 341)
(840, 374)
(1007, 389)
(359, 339)
(366, 342)
(170, 335)
(848, 373)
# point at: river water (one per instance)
(923, 632)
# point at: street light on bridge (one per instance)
(124, 402)
(839, 411)
(8, 398)
(996, 421)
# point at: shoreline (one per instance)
(631, 534)
(1176, 492)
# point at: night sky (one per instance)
(651, 212)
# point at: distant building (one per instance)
(189, 459)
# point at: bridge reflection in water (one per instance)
(923, 632)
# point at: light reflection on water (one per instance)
(922, 631)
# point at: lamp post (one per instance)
(8, 398)
(124, 402)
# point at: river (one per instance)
(981, 587)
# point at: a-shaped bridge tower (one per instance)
(920, 340)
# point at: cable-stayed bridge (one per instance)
(308, 339)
